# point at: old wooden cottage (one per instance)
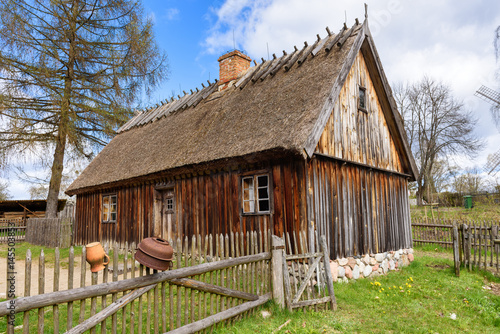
(307, 141)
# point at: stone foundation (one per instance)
(369, 265)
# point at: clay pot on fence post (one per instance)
(95, 256)
(155, 253)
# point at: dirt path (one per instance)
(49, 277)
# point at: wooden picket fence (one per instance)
(476, 246)
(440, 231)
(165, 306)
(12, 230)
(215, 281)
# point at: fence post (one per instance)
(328, 273)
(456, 254)
(278, 248)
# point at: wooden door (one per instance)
(168, 214)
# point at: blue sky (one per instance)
(451, 41)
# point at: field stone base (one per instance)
(370, 265)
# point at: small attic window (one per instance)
(362, 99)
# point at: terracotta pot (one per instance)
(95, 256)
(157, 248)
(155, 253)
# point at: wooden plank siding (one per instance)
(355, 135)
(357, 185)
(205, 204)
(359, 210)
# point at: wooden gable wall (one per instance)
(357, 189)
(354, 135)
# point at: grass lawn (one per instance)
(479, 212)
(22, 247)
(421, 298)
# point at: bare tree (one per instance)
(469, 182)
(441, 175)
(4, 192)
(71, 71)
(436, 124)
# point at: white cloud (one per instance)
(171, 14)
(447, 40)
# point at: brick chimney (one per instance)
(232, 65)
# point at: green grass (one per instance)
(479, 212)
(22, 247)
(417, 299)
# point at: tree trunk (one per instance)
(56, 176)
(58, 163)
(419, 196)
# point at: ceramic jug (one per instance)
(95, 256)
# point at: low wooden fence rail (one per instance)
(440, 231)
(12, 230)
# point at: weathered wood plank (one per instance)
(328, 273)
(110, 310)
(41, 289)
(27, 289)
(213, 319)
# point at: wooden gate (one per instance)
(307, 276)
(12, 230)
(476, 246)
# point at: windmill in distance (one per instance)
(492, 97)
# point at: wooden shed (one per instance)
(24, 209)
(308, 141)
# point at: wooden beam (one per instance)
(359, 164)
(328, 272)
(110, 310)
(205, 287)
(221, 316)
(25, 208)
(278, 246)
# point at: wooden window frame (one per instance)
(256, 200)
(109, 220)
(170, 198)
(360, 108)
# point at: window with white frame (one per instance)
(109, 208)
(255, 194)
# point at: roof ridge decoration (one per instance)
(263, 70)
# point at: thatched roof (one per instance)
(278, 106)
